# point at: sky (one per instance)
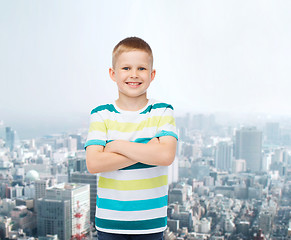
(210, 56)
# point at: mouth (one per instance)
(133, 83)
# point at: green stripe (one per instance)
(129, 185)
(156, 106)
(137, 166)
(108, 107)
(138, 205)
(131, 225)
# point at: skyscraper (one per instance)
(248, 146)
(224, 156)
(272, 131)
(10, 138)
(40, 188)
(56, 201)
(53, 217)
(76, 165)
(92, 180)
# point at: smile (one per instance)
(133, 83)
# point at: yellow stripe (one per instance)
(128, 185)
(155, 121)
(97, 126)
(167, 120)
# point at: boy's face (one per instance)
(133, 73)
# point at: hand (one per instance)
(110, 147)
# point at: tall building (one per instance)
(72, 144)
(265, 221)
(238, 165)
(272, 131)
(2, 130)
(248, 146)
(76, 165)
(10, 138)
(80, 145)
(60, 205)
(173, 174)
(53, 217)
(92, 180)
(40, 188)
(224, 156)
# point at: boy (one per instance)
(131, 142)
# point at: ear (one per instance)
(112, 74)
(153, 74)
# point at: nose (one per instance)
(133, 73)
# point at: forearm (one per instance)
(157, 153)
(105, 161)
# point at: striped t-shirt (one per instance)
(132, 200)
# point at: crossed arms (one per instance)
(120, 153)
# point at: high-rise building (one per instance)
(2, 130)
(248, 146)
(92, 180)
(54, 217)
(76, 165)
(72, 144)
(224, 156)
(40, 188)
(272, 131)
(265, 221)
(63, 200)
(80, 145)
(173, 174)
(10, 138)
(238, 165)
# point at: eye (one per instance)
(141, 68)
(125, 68)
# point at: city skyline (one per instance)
(226, 183)
(224, 56)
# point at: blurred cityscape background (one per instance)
(227, 63)
(231, 179)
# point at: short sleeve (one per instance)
(97, 134)
(167, 124)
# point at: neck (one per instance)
(131, 104)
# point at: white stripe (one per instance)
(96, 117)
(96, 135)
(168, 127)
(132, 215)
(136, 174)
(133, 195)
(147, 132)
(124, 118)
(155, 230)
(131, 118)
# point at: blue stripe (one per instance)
(142, 140)
(95, 142)
(166, 133)
(138, 140)
(108, 107)
(138, 205)
(131, 225)
(155, 106)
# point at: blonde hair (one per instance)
(131, 44)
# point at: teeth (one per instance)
(134, 84)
